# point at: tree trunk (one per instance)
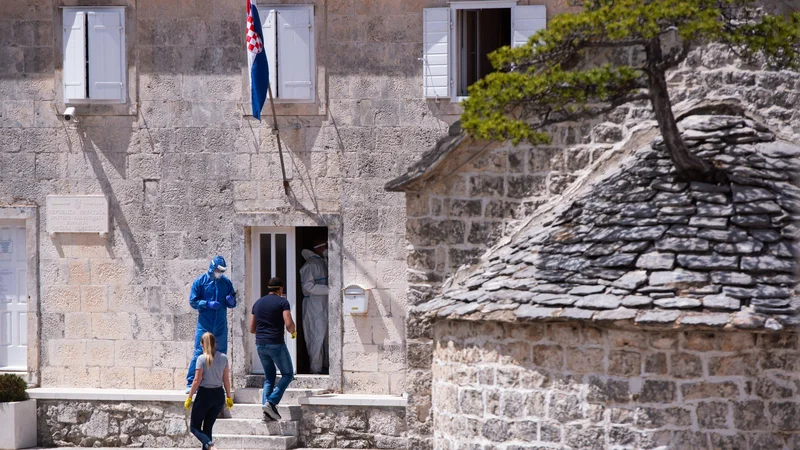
(688, 165)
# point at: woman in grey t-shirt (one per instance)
(211, 375)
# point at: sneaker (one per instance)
(272, 411)
(266, 418)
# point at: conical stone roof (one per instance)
(642, 246)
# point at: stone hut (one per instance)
(634, 310)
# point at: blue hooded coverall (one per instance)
(205, 289)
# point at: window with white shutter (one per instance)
(94, 55)
(527, 20)
(436, 47)
(458, 39)
(289, 46)
(74, 56)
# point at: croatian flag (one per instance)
(257, 60)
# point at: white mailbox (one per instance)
(355, 299)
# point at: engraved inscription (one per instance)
(77, 214)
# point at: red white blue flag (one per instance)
(257, 60)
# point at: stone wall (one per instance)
(498, 385)
(439, 236)
(65, 423)
(181, 162)
(352, 427)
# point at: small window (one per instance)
(94, 55)
(457, 40)
(289, 44)
(480, 32)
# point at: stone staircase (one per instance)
(244, 428)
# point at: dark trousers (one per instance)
(207, 405)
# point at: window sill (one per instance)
(99, 109)
(286, 109)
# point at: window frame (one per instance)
(454, 38)
(123, 100)
(263, 12)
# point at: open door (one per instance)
(273, 256)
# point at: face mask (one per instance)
(325, 254)
(217, 275)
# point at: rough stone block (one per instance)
(712, 415)
(585, 360)
(129, 353)
(624, 363)
(67, 353)
(111, 326)
(658, 391)
(153, 378)
(77, 325)
(100, 353)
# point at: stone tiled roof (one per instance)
(641, 246)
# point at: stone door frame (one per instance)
(29, 214)
(240, 262)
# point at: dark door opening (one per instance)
(306, 239)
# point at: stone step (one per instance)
(256, 427)
(299, 381)
(253, 411)
(290, 397)
(241, 441)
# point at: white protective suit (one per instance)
(314, 278)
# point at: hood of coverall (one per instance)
(308, 254)
(217, 262)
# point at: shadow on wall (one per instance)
(95, 144)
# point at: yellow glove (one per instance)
(229, 402)
(294, 334)
(188, 403)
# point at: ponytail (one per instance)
(209, 344)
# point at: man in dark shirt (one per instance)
(271, 314)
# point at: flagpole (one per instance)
(277, 133)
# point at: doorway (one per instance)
(13, 297)
(278, 252)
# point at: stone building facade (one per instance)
(188, 174)
(460, 172)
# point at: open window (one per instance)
(457, 41)
(480, 32)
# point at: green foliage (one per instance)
(546, 82)
(12, 388)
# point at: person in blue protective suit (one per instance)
(212, 294)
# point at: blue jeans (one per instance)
(272, 355)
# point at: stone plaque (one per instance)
(77, 214)
(6, 247)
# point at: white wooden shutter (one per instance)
(74, 55)
(269, 30)
(526, 21)
(295, 65)
(106, 55)
(436, 56)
